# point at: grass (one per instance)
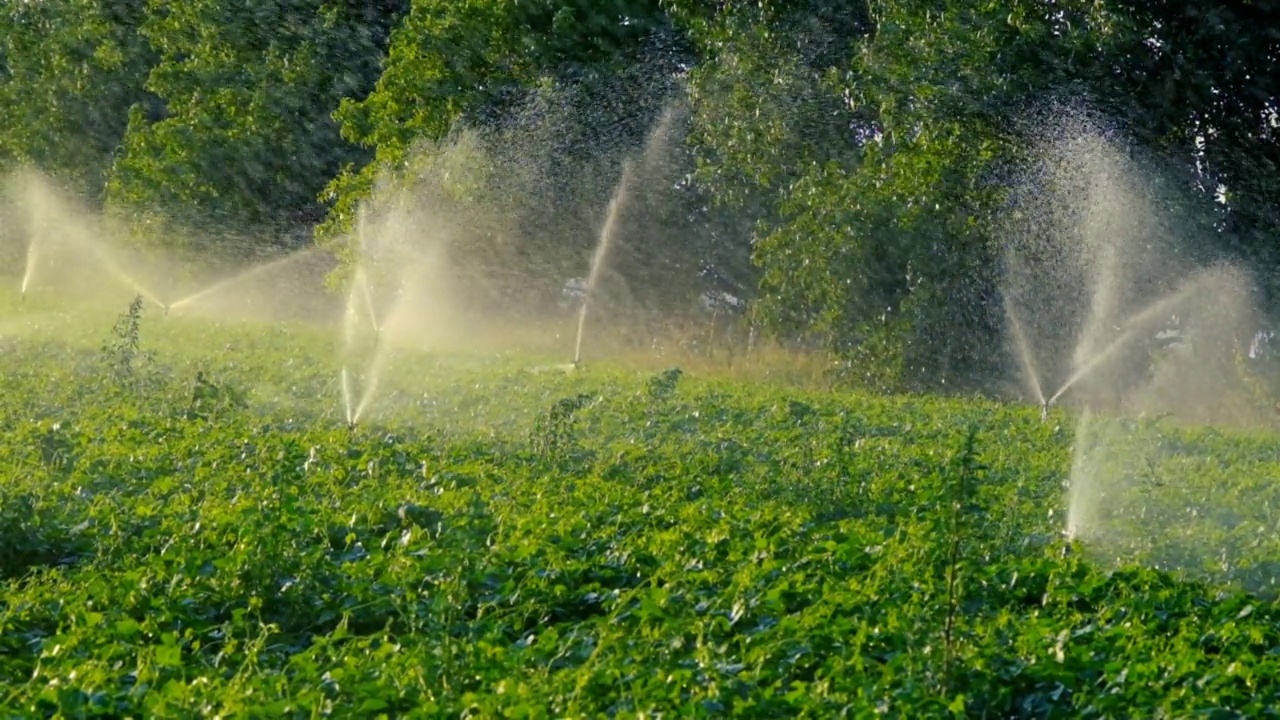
(498, 542)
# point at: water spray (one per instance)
(368, 304)
(607, 235)
(346, 398)
(1134, 324)
(237, 279)
(1024, 357)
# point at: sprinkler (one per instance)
(1044, 411)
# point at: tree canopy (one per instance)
(844, 163)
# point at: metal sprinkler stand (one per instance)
(1044, 411)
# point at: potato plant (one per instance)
(702, 549)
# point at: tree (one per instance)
(69, 72)
(1197, 81)
(246, 140)
(878, 183)
(558, 92)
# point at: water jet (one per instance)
(1094, 271)
(371, 379)
(368, 304)
(240, 278)
(120, 275)
(360, 294)
(1024, 355)
(30, 269)
(650, 160)
(1133, 325)
(608, 234)
(346, 396)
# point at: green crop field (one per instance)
(500, 541)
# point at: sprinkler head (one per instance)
(1044, 411)
(22, 298)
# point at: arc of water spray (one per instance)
(111, 266)
(607, 235)
(368, 304)
(32, 254)
(240, 278)
(346, 396)
(361, 293)
(30, 269)
(125, 277)
(380, 357)
(609, 232)
(1088, 367)
(1024, 353)
(1134, 324)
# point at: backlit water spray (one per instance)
(345, 378)
(384, 255)
(46, 209)
(1133, 329)
(1024, 354)
(653, 155)
(381, 355)
(357, 296)
(242, 278)
(31, 266)
(368, 303)
(1106, 298)
(608, 233)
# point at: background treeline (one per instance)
(844, 163)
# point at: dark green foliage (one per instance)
(663, 385)
(553, 434)
(28, 541)
(246, 141)
(70, 70)
(209, 398)
(728, 549)
(965, 477)
(123, 348)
